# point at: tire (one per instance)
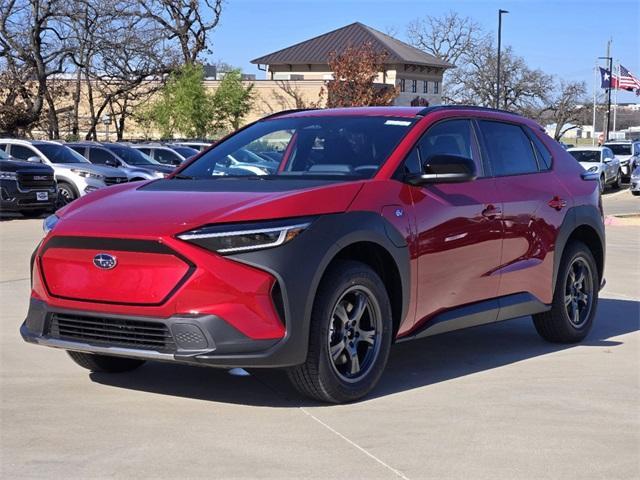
(557, 325)
(636, 193)
(349, 292)
(33, 213)
(66, 193)
(105, 363)
(602, 184)
(618, 181)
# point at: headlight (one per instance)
(8, 176)
(241, 238)
(87, 174)
(49, 223)
(593, 169)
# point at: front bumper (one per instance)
(197, 340)
(15, 199)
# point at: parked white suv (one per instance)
(75, 175)
(602, 161)
(628, 153)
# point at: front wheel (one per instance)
(104, 363)
(66, 194)
(575, 298)
(350, 336)
(602, 184)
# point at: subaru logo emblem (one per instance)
(105, 261)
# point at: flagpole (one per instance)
(606, 136)
(615, 100)
(595, 82)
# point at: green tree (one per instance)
(232, 101)
(184, 106)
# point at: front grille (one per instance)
(115, 180)
(115, 332)
(35, 180)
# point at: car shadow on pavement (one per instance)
(414, 364)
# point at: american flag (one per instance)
(627, 81)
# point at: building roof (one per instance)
(318, 49)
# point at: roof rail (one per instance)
(436, 108)
(285, 112)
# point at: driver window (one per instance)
(450, 137)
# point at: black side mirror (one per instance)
(445, 169)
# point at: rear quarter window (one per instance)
(542, 152)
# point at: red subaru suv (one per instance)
(369, 226)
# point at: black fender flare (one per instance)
(582, 215)
(300, 265)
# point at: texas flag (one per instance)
(607, 80)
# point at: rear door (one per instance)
(459, 229)
(534, 203)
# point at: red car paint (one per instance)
(468, 242)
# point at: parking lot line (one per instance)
(355, 445)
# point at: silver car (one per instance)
(635, 181)
(628, 153)
(75, 175)
(602, 161)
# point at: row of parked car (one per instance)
(40, 176)
(613, 162)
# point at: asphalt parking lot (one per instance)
(493, 402)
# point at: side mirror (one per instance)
(445, 169)
(606, 160)
(34, 159)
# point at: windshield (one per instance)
(132, 156)
(586, 155)
(60, 153)
(340, 146)
(620, 149)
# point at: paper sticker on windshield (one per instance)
(401, 123)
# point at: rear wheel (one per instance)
(618, 180)
(350, 336)
(104, 363)
(575, 298)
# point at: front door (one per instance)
(459, 228)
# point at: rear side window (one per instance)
(508, 147)
(166, 156)
(100, 156)
(450, 137)
(544, 156)
(22, 153)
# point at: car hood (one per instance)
(153, 168)
(16, 165)
(168, 207)
(588, 165)
(90, 167)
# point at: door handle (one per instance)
(557, 203)
(491, 211)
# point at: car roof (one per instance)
(21, 141)
(586, 149)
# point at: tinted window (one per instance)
(21, 152)
(186, 152)
(131, 155)
(412, 163)
(77, 149)
(3, 147)
(452, 137)
(146, 151)
(100, 156)
(586, 155)
(621, 149)
(167, 157)
(509, 148)
(543, 154)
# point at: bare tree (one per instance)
(565, 107)
(450, 38)
(186, 21)
(33, 48)
(524, 90)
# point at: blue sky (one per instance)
(561, 37)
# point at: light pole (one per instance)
(500, 13)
